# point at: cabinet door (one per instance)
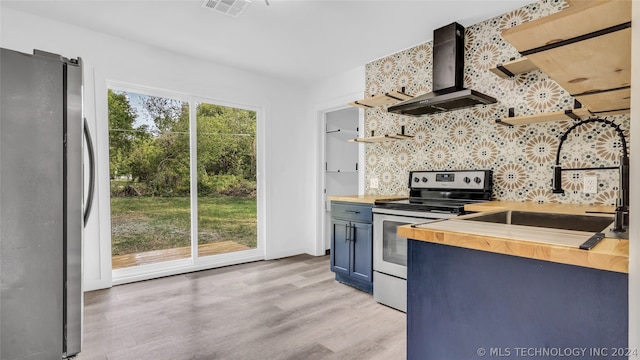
(340, 246)
(362, 251)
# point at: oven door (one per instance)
(389, 249)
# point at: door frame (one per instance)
(321, 113)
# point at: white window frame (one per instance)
(194, 263)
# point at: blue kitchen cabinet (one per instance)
(352, 244)
(340, 247)
(472, 304)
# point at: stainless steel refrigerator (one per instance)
(41, 205)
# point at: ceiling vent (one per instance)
(228, 7)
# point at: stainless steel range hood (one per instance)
(448, 78)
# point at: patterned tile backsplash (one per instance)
(522, 157)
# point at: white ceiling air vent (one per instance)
(228, 7)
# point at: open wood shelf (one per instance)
(387, 137)
(338, 171)
(607, 102)
(513, 68)
(342, 132)
(381, 138)
(381, 99)
(568, 24)
(586, 49)
(552, 116)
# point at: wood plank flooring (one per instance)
(289, 308)
(155, 256)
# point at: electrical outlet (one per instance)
(373, 183)
(590, 185)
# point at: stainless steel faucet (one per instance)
(622, 202)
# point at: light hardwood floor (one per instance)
(289, 308)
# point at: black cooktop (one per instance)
(453, 206)
(444, 191)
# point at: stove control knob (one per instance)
(477, 180)
(416, 179)
(466, 180)
(424, 179)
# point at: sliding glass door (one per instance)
(149, 172)
(226, 163)
(173, 198)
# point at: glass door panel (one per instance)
(226, 177)
(150, 182)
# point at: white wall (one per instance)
(288, 153)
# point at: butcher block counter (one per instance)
(365, 199)
(609, 254)
(473, 296)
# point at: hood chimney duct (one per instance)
(448, 59)
(448, 92)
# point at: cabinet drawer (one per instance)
(351, 211)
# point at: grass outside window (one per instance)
(141, 223)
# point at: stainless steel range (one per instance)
(433, 196)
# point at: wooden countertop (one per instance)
(610, 254)
(365, 199)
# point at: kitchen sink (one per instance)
(586, 223)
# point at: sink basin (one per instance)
(586, 223)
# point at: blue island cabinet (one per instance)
(352, 244)
(471, 304)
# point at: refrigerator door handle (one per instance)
(89, 203)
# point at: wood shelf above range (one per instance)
(586, 49)
(514, 67)
(391, 97)
(575, 114)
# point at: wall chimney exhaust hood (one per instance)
(448, 78)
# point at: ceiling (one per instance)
(303, 40)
